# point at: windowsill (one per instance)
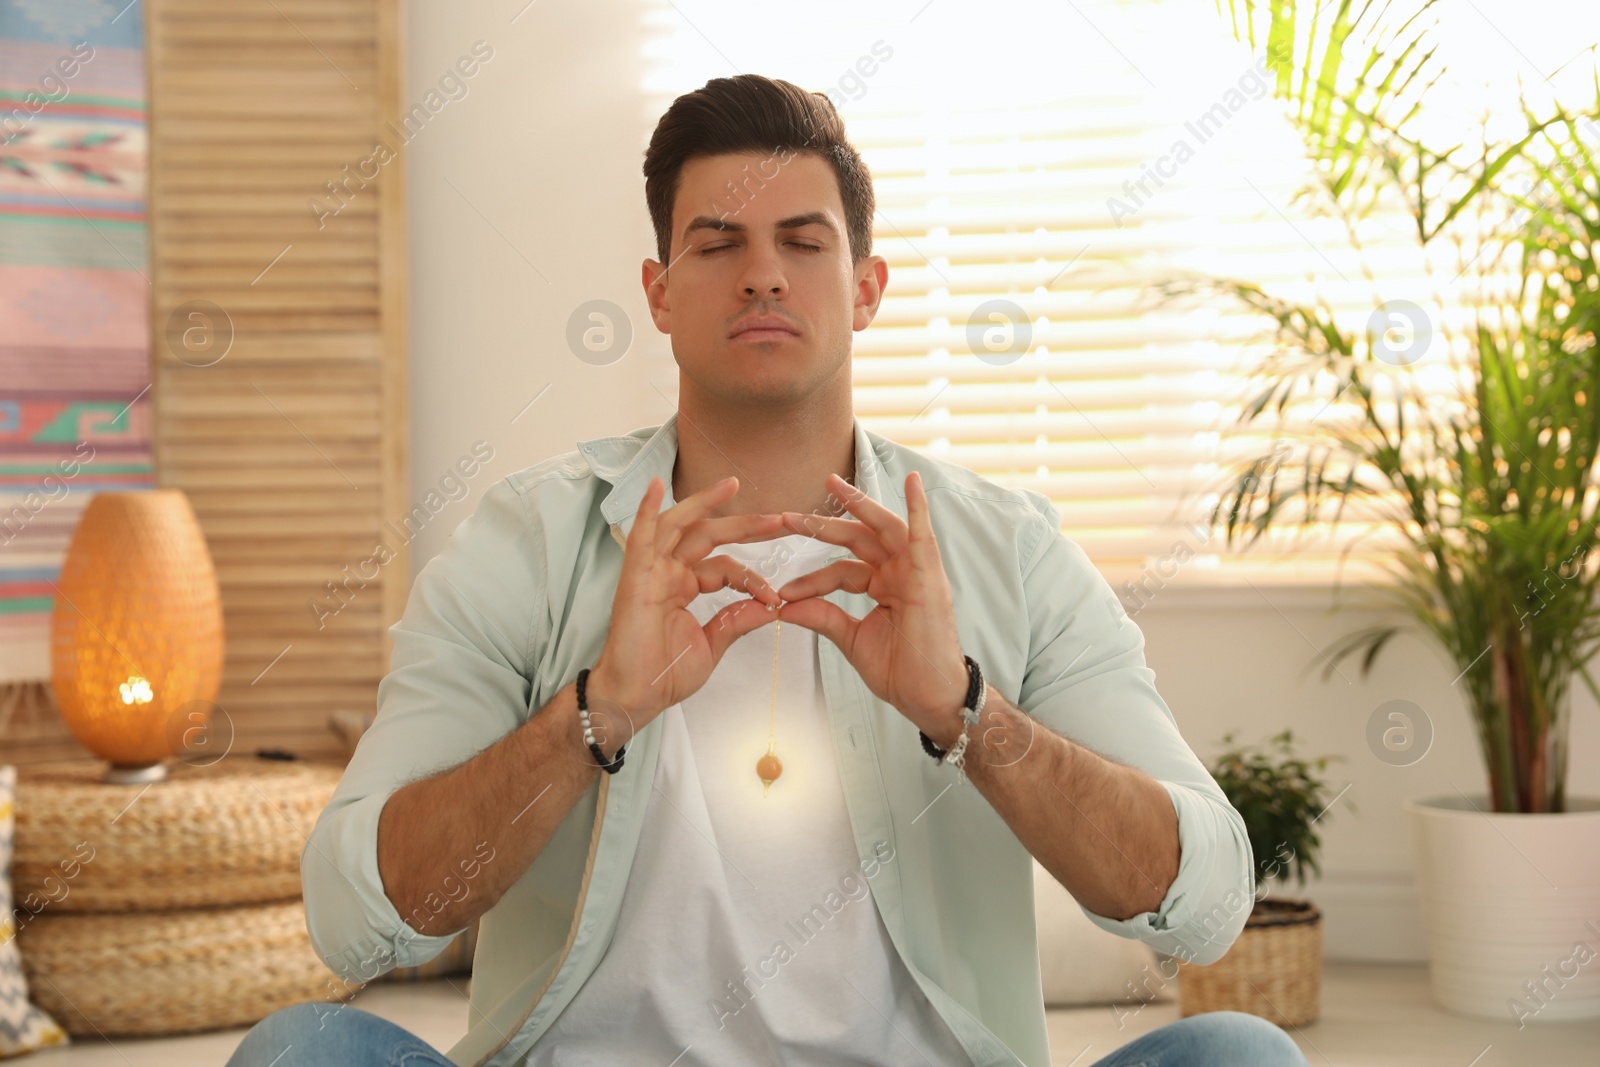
(1230, 597)
(1213, 591)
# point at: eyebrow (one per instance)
(793, 222)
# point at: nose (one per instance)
(763, 275)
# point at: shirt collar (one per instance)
(628, 463)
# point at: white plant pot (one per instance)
(1510, 907)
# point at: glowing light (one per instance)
(136, 691)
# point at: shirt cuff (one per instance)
(1208, 902)
(354, 927)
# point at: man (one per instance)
(795, 851)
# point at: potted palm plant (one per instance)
(1470, 449)
(1274, 969)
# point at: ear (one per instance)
(872, 277)
(654, 277)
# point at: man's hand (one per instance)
(656, 652)
(906, 649)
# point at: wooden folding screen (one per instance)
(278, 314)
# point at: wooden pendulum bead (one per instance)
(769, 767)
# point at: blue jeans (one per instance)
(333, 1035)
(1211, 1039)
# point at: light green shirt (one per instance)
(519, 600)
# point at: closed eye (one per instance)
(797, 244)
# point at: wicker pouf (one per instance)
(229, 833)
(1273, 970)
(147, 973)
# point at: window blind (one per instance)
(1038, 169)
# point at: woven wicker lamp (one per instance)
(136, 631)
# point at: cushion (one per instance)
(1079, 963)
(23, 1027)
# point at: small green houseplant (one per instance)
(1281, 799)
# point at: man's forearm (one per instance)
(1106, 832)
(510, 798)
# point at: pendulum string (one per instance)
(768, 767)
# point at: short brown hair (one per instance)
(750, 113)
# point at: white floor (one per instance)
(1372, 1016)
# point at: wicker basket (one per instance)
(146, 973)
(226, 834)
(1273, 970)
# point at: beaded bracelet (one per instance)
(972, 708)
(588, 730)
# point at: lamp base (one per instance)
(119, 775)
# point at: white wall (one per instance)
(544, 154)
(526, 200)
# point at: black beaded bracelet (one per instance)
(974, 681)
(599, 757)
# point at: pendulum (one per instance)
(768, 767)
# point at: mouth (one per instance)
(765, 335)
(763, 328)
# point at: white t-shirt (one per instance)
(748, 932)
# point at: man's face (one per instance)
(772, 244)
